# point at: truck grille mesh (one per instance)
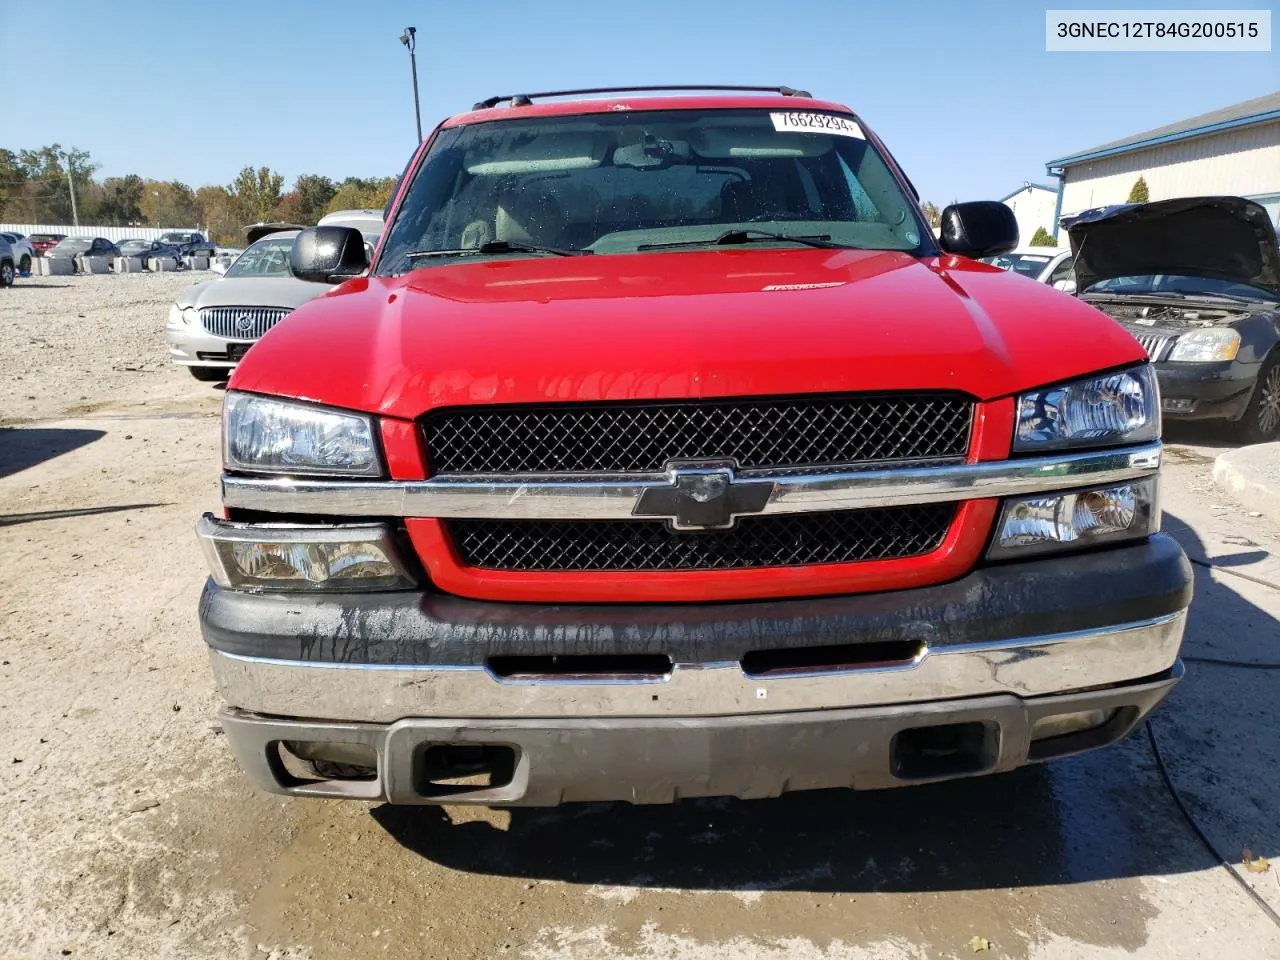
(643, 438)
(241, 323)
(772, 541)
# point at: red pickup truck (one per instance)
(662, 451)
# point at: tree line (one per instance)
(35, 187)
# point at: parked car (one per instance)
(188, 243)
(147, 249)
(83, 246)
(660, 452)
(1042, 264)
(8, 266)
(1197, 281)
(213, 324)
(42, 243)
(23, 253)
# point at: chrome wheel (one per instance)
(6, 275)
(1269, 401)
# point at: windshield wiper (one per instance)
(496, 246)
(730, 237)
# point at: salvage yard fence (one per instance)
(114, 234)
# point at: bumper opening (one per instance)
(581, 667)
(781, 662)
(946, 750)
(447, 770)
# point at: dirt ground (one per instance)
(126, 831)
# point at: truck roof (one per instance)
(611, 104)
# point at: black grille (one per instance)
(643, 438)
(774, 541)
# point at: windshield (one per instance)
(1027, 264)
(266, 258)
(1164, 283)
(626, 181)
(75, 243)
(177, 237)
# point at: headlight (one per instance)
(1080, 519)
(247, 556)
(265, 435)
(179, 315)
(1202, 345)
(1113, 408)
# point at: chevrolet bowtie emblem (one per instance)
(704, 499)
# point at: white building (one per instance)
(1234, 151)
(1033, 204)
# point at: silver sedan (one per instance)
(213, 324)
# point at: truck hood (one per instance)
(685, 324)
(1223, 238)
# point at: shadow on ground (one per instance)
(23, 448)
(1100, 816)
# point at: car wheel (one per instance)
(1261, 420)
(6, 274)
(25, 265)
(210, 374)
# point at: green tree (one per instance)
(218, 215)
(1042, 238)
(39, 181)
(357, 193)
(169, 203)
(121, 201)
(1139, 193)
(256, 193)
(931, 213)
(313, 194)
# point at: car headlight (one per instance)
(178, 315)
(1122, 407)
(266, 435)
(1203, 345)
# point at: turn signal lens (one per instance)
(1082, 518)
(355, 557)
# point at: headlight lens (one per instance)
(298, 558)
(265, 435)
(1114, 408)
(1083, 518)
(190, 314)
(1204, 345)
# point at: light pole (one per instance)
(410, 41)
(75, 216)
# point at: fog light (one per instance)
(1061, 724)
(1178, 404)
(248, 556)
(1080, 518)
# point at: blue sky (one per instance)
(963, 93)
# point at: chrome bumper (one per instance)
(384, 693)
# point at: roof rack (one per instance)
(525, 99)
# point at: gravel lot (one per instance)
(126, 831)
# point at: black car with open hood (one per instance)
(1197, 281)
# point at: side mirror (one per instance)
(328, 255)
(1066, 286)
(218, 266)
(982, 228)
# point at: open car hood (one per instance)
(1224, 238)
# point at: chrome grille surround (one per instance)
(241, 323)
